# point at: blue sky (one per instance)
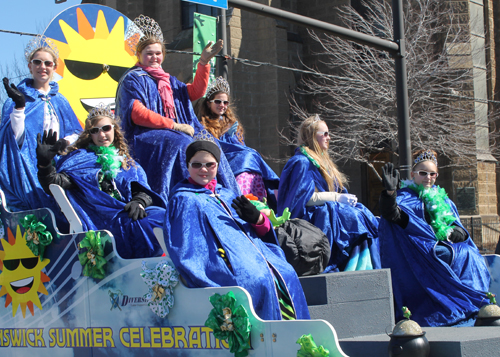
(31, 16)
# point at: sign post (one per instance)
(214, 3)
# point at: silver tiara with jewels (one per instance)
(39, 42)
(425, 156)
(218, 85)
(101, 110)
(203, 134)
(141, 29)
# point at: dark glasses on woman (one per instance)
(104, 129)
(219, 102)
(199, 165)
(37, 62)
(323, 133)
(425, 173)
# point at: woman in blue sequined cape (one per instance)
(18, 171)
(199, 222)
(351, 228)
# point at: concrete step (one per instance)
(444, 342)
(357, 303)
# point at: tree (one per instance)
(359, 101)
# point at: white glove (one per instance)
(348, 199)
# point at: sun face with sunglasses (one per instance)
(102, 133)
(425, 173)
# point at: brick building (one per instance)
(261, 93)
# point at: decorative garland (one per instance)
(439, 210)
(161, 282)
(306, 154)
(230, 322)
(37, 236)
(92, 260)
(108, 158)
(308, 348)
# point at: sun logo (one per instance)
(21, 277)
(93, 59)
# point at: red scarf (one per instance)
(209, 186)
(164, 88)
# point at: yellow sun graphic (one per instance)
(92, 62)
(21, 277)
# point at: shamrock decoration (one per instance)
(308, 348)
(37, 237)
(491, 297)
(230, 322)
(161, 282)
(92, 260)
(406, 312)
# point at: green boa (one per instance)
(306, 154)
(439, 210)
(111, 163)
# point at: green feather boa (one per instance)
(435, 204)
(108, 158)
(306, 154)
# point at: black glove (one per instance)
(15, 94)
(458, 235)
(48, 147)
(136, 208)
(246, 210)
(390, 177)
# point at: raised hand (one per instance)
(210, 51)
(390, 177)
(15, 94)
(47, 147)
(246, 210)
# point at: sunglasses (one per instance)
(199, 165)
(219, 102)
(89, 71)
(37, 62)
(13, 264)
(425, 173)
(104, 129)
(323, 133)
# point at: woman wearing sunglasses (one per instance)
(158, 117)
(33, 106)
(216, 238)
(436, 269)
(313, 188)
(218, 116)
(105, 186)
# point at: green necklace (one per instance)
(306, 154)
(434, 199)
(111, 163)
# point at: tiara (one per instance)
(37, 43)
(425, 156)
(315, 119)
(101, 110)
(205, 135)
(218, 85)
(141, 29)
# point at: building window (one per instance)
(188, 8)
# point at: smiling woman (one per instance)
(34, 105)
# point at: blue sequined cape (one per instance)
(197, 224)
(436, 293)
(161, 152)
(18, 165)
(352, 231)
(98, 210)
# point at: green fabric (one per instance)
(308, 348)
(230, 322)
(37, 237)
(306, 154)
(108, 158)
(435, 204)
(92, 259)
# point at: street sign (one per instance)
(214, 3)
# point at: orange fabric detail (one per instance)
(197, 89)
(144, 117)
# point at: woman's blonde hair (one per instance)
(211, 121)
(335, 179)
(150, 41)
(119, 142)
